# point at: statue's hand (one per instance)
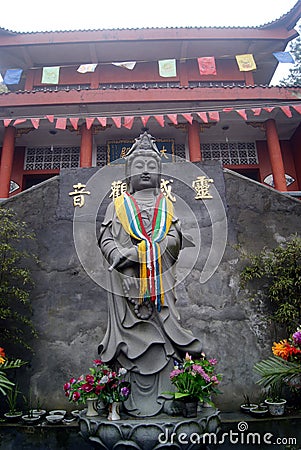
(127, 258)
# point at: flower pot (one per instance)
(259, 411)
(276, 408)
(245, 408)
(114, 411)
(91, 407)
(13, 417)
(190, 408)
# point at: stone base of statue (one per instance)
(152, 433)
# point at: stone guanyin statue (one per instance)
(141, 238)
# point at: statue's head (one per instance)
(143, 164)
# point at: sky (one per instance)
(62, 15)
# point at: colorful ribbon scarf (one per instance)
(128, 212)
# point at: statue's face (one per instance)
(144, 173)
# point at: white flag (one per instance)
(84, 68)
(126, 65)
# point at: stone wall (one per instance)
(69, 298)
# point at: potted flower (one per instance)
(101, 383)
(247, 405)
(284, 367)
(195, 381)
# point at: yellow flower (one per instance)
(280, 349)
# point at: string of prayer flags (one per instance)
(188, 117)
(74, 122)
(214, 115)
(284, 57)
(12, 76)
(130, 65)
(50, 75)
(245, 62)
(286, 110)
(242, 113)
(102, 121)
(207, 65)
(167, 68)
(144, 120)
(35, 123)
(160, 119)
(117, 121)
(203, 116)
(84, 68)
(256, 111)
(173, 118)
(89, 122)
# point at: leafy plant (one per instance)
(279, 272)
(11, 399)
(275, 370)
(5, 384)
(15, 280)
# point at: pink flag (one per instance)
(242, 113)
(188, 117)
(286, 110)
(7, 122)
(203, 116)
(128, 121)
(227, 109)
(256, 111)
(89, 122)
(35, 122)
(297, 108)
(61, 123)
(102, 121)
(117, 121)
(207, 65)
(173, 118)
(214, 115)
(144, 120)
(160, 119)
(18, 121)
(50, 118)
(74, 122)
(269, 109)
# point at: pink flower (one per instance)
(214, 379)
(67, 386)
(97, 362)
(87, 387)
(213, 361)
(90, 379)
(175, 373)
(201, 372)
(72, 380)
(75, 396)
(187, 357)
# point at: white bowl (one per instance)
(38, 412)
(58, 412)
(54, 418)
(29, 419)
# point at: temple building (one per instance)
(74, 99)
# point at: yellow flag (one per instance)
(245, 62)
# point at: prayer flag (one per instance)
(203, 116)
(102, 121)
(144, 120)
(50, 75)
(160, 119)
(207, 65)
(74, 122)
(245, 62)
(242, 113)
(7, 122)
(214, 115)
(128, 122)
(256, 111)
(12, 76)
(117, 121)
(297, 108)
(167, 68)
(61, 123)
(50, 118)
(35, 122)
(173, 118)
(126, 65)
(284, 57)
(89, 122)
(269, 109)
(188, 117)
(84, 68)
(286, 110)
(18, 121)
(227, 109)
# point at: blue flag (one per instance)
(284, 57)
(12, 76)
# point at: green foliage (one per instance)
(274, 371)
(294, 77)
(15, 280)
(5, 384)
(11, 399)
(279, 273)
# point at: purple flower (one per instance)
(175, 373)
(201, 372)
(213, 361)
(297, 337)
(125, 391)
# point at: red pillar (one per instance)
(275, 155)
(194, 142)
(7, 157)
(86, 147)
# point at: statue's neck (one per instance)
(145, 195)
